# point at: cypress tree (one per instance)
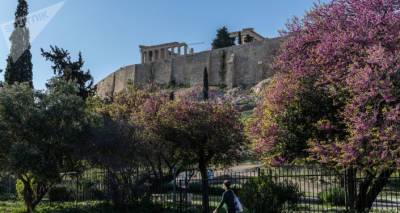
(205, 84)
(19, 62)
(223, 39)
(172, 96)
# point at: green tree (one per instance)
(42, 131)
(112, 146)
(126, 139)
(223, 39)
(69, 70)
(292, 113)
(19, 62)
(207, 133)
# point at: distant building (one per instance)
(246, 35)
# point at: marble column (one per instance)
(151, 56)
(162, 55)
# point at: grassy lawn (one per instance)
(302, 207)
(328, 208)
(84, 207)
(105, 207)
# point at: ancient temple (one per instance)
(163, 51)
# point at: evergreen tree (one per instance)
(172, 96)
(19, 62)
(223, 39)
(69, 70)
(205, 84)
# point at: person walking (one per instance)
(228, 199)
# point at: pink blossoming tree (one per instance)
(351, 48)
(206, 133)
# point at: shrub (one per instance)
(334, 196)
(60, 193)
(90, 189)
(263, 193)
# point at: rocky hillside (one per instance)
(244, 99)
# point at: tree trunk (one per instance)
(204, 181)
(28, 196)
(114, 189)
(29, 207)
(33, 196)
(377, 187)
(350, 186)
(362, 192)
(370, 189)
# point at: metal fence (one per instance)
(311, 182)
(184, 192)
(7, 187)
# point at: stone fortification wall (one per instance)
(242, 65)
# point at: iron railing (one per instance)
(184, 193)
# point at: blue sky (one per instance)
(108, 32)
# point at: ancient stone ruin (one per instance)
(175, 64)
(163, 51)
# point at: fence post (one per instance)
(105, 183)
(174, 187)
(258, 198)
(180, 196)
(346, 188)
(77, 190)
(9, 184)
